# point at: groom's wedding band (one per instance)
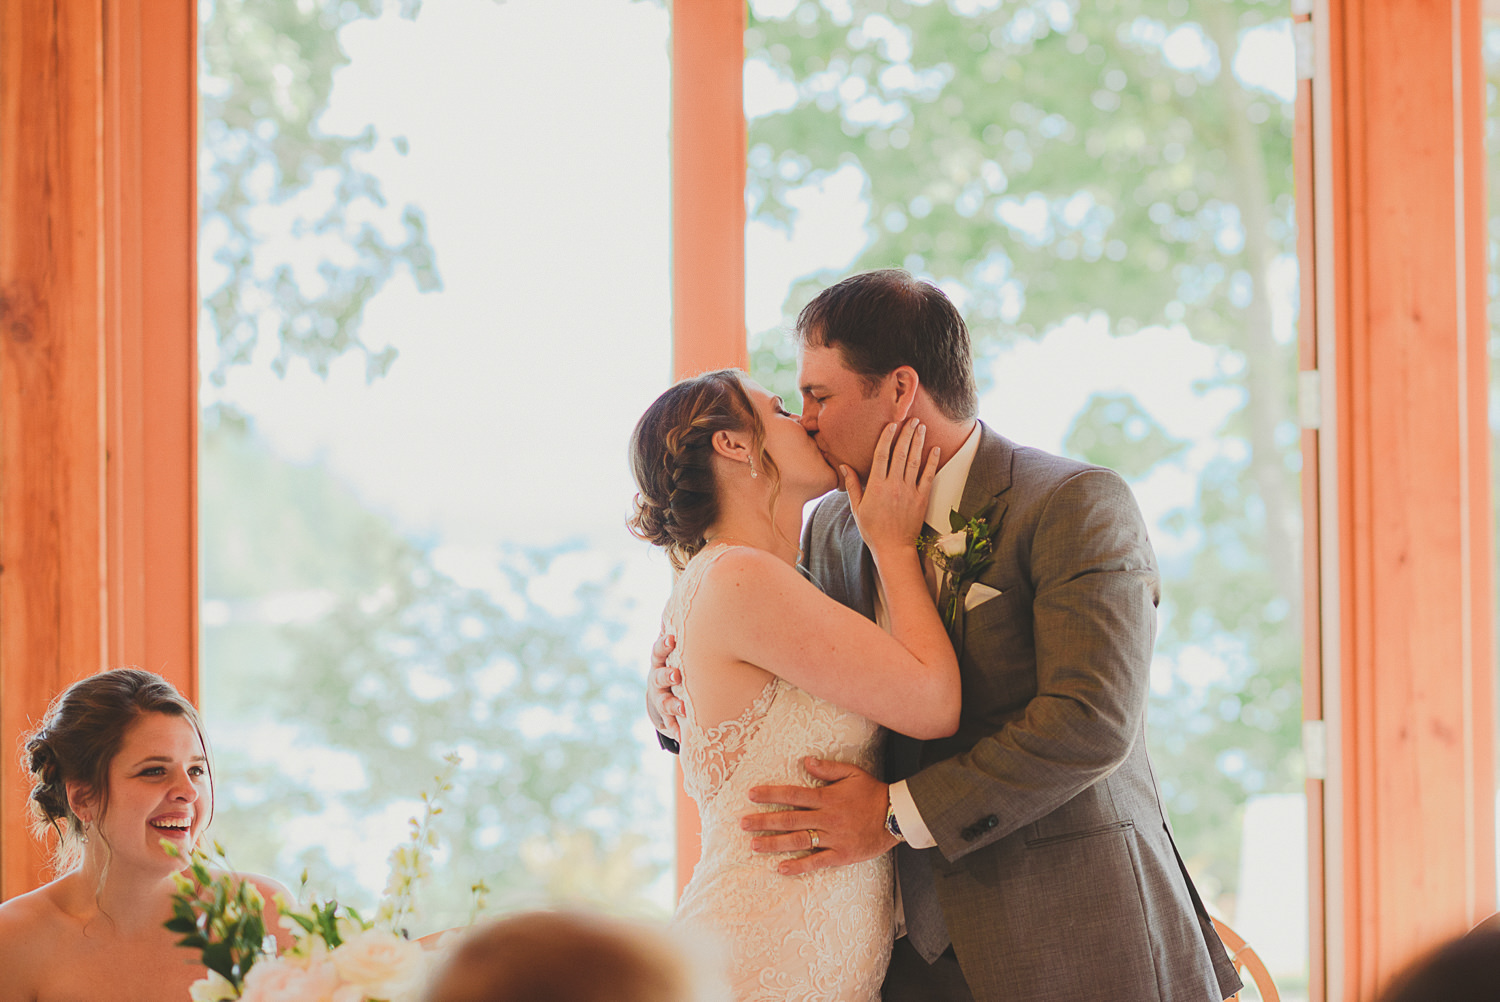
(814, 836)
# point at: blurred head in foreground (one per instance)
(567, 957)
(1464, 970)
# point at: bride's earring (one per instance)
(751, 463)
(83, 833)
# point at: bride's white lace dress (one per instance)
(822, 937)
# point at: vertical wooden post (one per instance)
(708, 226)
(98, 437)
(708, 185)
(52, 608)
(151, 322)
(1414, 810)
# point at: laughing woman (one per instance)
(117, 766)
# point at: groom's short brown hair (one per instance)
(881, 320)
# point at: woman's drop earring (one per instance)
(83, 833)
(753, 474)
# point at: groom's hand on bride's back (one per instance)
(662, 706)
(848, 815)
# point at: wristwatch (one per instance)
(891, 824)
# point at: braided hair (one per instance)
(79, 737)
(671, 456)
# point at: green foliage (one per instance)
(269, 173)
(1044, 161)
(961, 569)
(297, 238)
(400, 666)
(1049, 163)
(536, 697)
(219, 914)
(1114, 430)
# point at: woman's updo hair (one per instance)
(79, 737)
(671, 455)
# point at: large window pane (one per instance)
(1106, 191)
(436, 299)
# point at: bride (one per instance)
(774, 672)
(117, 766)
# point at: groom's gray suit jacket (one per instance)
(1055, 875)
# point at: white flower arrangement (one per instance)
(961, 555)
(338, 956)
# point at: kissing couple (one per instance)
(950, 660)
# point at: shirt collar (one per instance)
(948, 485)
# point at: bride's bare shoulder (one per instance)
(744, 587)
(746, 564)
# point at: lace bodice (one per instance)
(821, 937)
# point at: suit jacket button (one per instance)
(992, 822)
(969, 834)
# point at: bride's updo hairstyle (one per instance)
(671, 455)
(79, 737)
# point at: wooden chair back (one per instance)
(1252, 969)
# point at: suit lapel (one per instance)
(984, 496)
(989, 477)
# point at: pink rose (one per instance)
(277, 980)
(382, 963)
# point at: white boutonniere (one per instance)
(961, 555)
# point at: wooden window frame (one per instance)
(98, 371)
(1402, 479)
(98, 432)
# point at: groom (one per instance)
(1034, 857)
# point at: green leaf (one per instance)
(218, 957)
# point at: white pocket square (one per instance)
(979, 593)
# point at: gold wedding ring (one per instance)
(814, 836)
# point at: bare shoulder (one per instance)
(745, 571)
(30, 911)
(31, 927)
(269, 887)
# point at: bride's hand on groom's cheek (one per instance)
(847, 815)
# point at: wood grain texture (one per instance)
(708, 186)
(1413, 484)
(51, 380)
(98, 423)
(151, 321)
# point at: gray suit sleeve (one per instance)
(1094, 621)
